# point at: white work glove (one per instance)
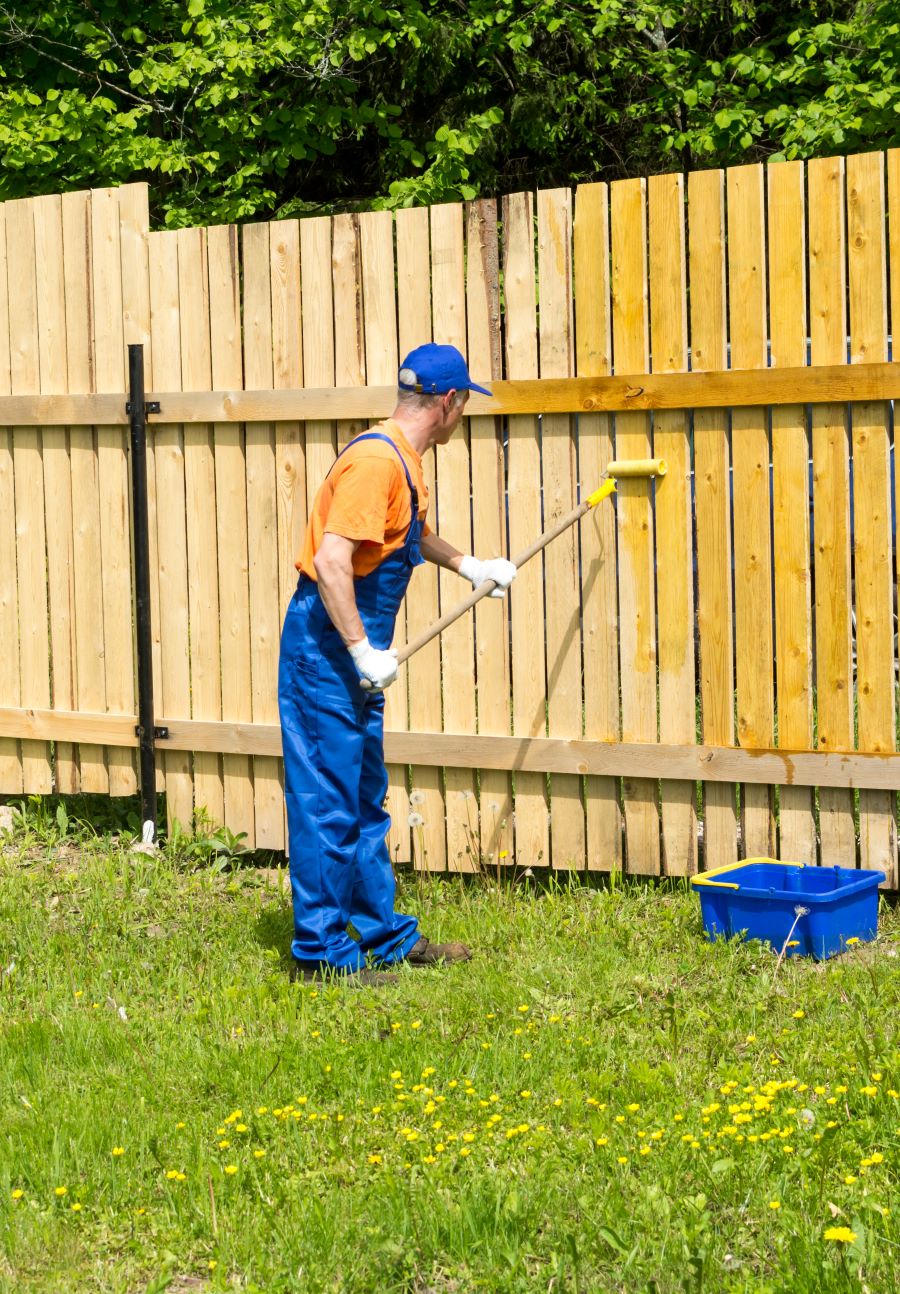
(497, 569)
(377, 668)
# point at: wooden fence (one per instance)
(715, 651)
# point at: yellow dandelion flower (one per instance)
(622, 1159)
(798, 1015)
(751, 1037)
(843, 1235)
(428, 1159)
(259, 1154)
(375, 1159)
(118, 1150)
(223, 1145)
(645, 1150)
(695, 1145)
(60, 1191)
(526, 1093)
(602, 1141)
(633, 1107)
(75, 1208)
(853, 940)
(231, 1169)
(440, 1147)
(869, 1091)
(465, 1150)
(849, 1179)
(17, 1194)
(877, 1157)
(416, 1024)
(774, 1204)
(212, 1264)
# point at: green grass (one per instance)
(600, 1100)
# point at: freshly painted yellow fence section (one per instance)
(736, 601)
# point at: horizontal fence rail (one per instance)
(705, 669)
(750, 388)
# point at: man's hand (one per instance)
(377, 668)
(497, 569)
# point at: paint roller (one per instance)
(616, 469)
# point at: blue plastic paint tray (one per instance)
(759, 898)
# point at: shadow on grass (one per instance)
(274, 931)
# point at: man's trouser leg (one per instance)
(386, 935)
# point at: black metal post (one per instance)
(146, 729)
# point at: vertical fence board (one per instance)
(674, 534)
(290, 343)
(429, 839)
(134, 234)
(11, 782)
(201, 508)
(174, 685)
(598, 531)
(790, 491)
(115, 532)
(712, 475)
(752, 536)
(529, 692)
(872, 504)
(231, 519)
(635, 521)
(51, 313)
(34, 652)
(831, 502)
(349, 330)
(380, 323)
(488, 524)
(562, 607)
(453, 476)
(90, 677)
(262, 527)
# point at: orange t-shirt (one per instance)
(365, 497)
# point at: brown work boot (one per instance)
(314, 973)
(425, 953)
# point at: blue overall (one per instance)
(335, 778)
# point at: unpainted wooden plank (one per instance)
(115, 530)
(559, 476)
(223, 260)
(492, 671)
(262, 529)
(51, 315)
(872, 539)
(453, 489)
(429, 836)
(200, 512)
(637, 610)
(599, 591)
(752, 530)
(674, 532)
(134, 234)
(90, 677)
(790, 491)
(11, 782)
(380, 333)
(174, 687)
(289, 355)
(528, 660)
(31, 567)
(712, 476)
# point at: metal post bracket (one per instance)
(150, 406)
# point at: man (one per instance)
(365, 535)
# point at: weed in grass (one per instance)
(600, 1100)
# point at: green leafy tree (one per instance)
(274, 107)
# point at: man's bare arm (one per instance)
(437, 550)
(334, 572)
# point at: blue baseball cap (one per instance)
(434, 370)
